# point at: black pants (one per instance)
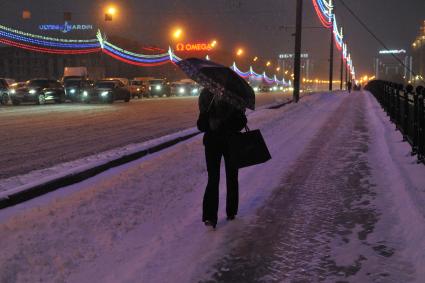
(214, 150)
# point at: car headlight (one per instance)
(85, 93)
(72, 91)
(104, 94)
(256, 89)
(158, 87)
(32, 91)
(13, 91)
(195, 90)
(181, 90)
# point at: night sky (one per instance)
(264, 27)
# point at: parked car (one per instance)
(159, 87)
(107, 91)
(39, 91)
(74, 88)
(4, 92)
(138, 88)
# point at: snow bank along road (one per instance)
(35, 137)
(341, 200)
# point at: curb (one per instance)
(71, 179)
(74, 178)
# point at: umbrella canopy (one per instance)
(221, 81)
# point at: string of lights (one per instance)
(324, 11)
(324, 14)
(4, 28)
(50, 45)
(253, 75)
(48, 50)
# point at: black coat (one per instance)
(234, 123)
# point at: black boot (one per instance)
(210, 223)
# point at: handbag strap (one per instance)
(246, 128)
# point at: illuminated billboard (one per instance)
(66, 27)
(197, 47)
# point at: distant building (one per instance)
(393, 65)
(418, 47)
(286, 63)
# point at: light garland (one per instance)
(52, 45)
(324, 11)
(165, 57)
(140, 64)
(48, 50)
(47, 43)
(94, 40)
(263, 77)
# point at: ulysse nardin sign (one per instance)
(66, 27)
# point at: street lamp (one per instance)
(177, 33)
(239, 52)
(110, 12)
(214, 43)
(268, 64)
(255, 59)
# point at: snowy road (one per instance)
(342, 200)
(35, 137)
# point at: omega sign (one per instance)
(66, 27)
(193, 47)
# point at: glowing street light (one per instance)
(214, 43)
(277, 69)
(239, 52)
(110, 12)
(255, 59)
(177, 33)
(268, 64)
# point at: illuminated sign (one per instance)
(401, 51)
(66, 27)
(184, 47)
(292, 56)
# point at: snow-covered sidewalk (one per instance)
(141, 222)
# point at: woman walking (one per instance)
(219, 120)
(222, 105)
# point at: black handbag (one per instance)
(248, 148)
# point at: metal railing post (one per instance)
(415, 123)
(397, 110)
(421, 123)
(406, 114)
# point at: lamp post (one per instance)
(110, 12)
(297, 59)
(331, 59)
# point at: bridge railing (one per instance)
(405, 105)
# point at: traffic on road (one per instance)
(76, 86)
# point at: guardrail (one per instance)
(405, 105)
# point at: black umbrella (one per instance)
(221, 81)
